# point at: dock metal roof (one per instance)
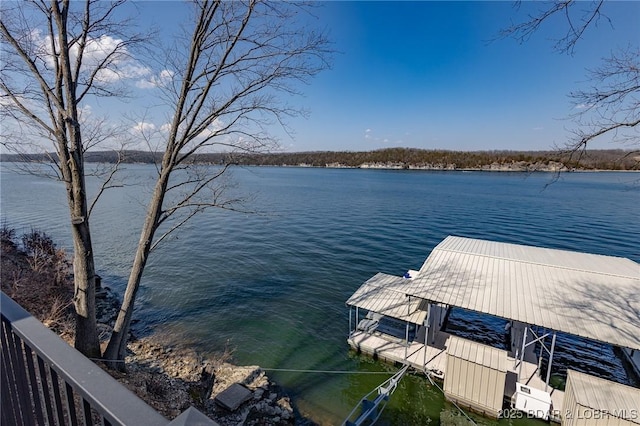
(386, 295)
(588, 295)
(477, 353)
(603, 395)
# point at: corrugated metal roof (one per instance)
(477, 353)
(593, 296)
(386, 295)
(603, 395)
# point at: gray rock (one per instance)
(233, 397)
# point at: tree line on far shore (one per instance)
(614, 159)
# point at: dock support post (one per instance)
(406, 347)
(350, 313)
(433, 330)
(553, 346)
(427, 324)
(524, 343)
(406, 334)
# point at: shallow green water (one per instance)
(273, 285)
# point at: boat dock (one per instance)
(537, 291)
(427, 358)
(432, 359)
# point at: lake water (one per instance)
(273, 284)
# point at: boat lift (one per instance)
(370, 410)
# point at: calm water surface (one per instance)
(272, 285)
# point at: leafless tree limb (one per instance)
(610, 108)
(579, 17)
(48, 70)
(228, 79)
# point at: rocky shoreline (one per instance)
(171, 378)
(166, 373)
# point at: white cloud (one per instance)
(85, 112)
(106, 52)
(153, 81)
(6, 101)
(98, 49)
(213, 128)
(584, 106)
(107, 76)
(143, 127)
(145, 84)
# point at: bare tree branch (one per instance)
(610, 108)
(46, 74)
(237, 60)
(612, 105)
(579, 17)
(107, 183)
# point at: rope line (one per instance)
(287, 370)
(290, 370)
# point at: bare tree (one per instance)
(227, 81)
(56, 55)
(611, 106)
(578, 17)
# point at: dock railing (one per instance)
(47, 382)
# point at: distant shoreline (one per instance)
(386, 159)
(500, 169)
(426, 169)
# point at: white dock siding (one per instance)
(593, 401)
(476, 375)
(588, 295)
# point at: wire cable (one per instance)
(290, 370)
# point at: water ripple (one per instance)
(274, 284)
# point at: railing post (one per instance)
(9, 392)
(43, 391)
(22, 409)
(35, 390)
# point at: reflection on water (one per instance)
(273, 285)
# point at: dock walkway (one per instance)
(432, 359)
(385, 348)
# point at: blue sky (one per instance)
(427, 74)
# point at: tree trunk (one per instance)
(86, 340)
(116, 349)
(71, 156)
(84, 299)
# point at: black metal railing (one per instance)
(44, 381)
